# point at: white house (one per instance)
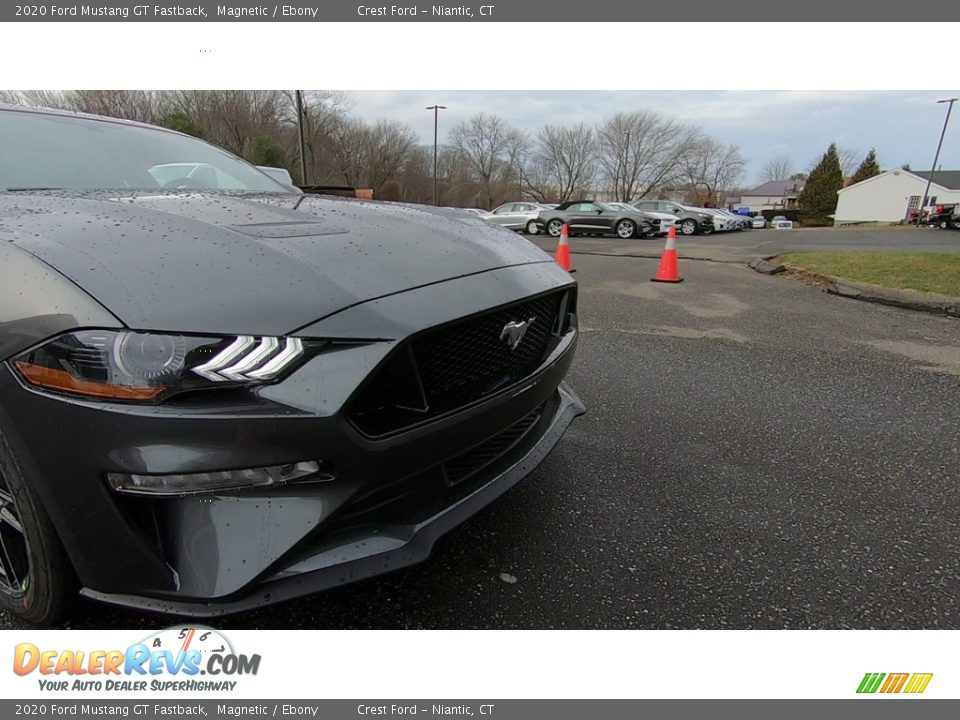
(772, 195)
(890, 196)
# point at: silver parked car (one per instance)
(520, 216)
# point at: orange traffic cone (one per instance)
(563, 249)
(668, 270)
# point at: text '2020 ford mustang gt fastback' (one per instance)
(217, 392)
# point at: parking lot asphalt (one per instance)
(749, 244)
(756, 454)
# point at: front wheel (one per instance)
(626, 229)
(532, 228)
(36, 579)
(943, 225)
(554, 227)
(688, 227)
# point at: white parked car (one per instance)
(736, 221)
(759, 222)
(519, 216)
(721, 221)
(666, 221)
(781, 223)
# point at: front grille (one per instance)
(448, 368)
(422, 495)
(473, 461)
(469, 360)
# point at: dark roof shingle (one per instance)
(949, 179)
(776, 188)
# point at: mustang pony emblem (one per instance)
(513, 332)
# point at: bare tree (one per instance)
(539, 181)
(712, 169)
(416, 176)
(777, 169)
(231, 119)
(639, 152)
(565, 160)
(323, 113)
(344, 149)
(54, 99)
(388, 145)
(138, 105)
(849, 160)
(517, 155)
(484, 142)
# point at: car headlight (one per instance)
(149, 367)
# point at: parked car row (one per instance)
(644, 218)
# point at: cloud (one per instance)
(902, 125)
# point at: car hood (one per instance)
(241, 264)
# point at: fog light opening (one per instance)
(219, 480)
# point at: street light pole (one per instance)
(436, 109)
(936, 158)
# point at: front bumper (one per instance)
(372, 549)
(391, 497)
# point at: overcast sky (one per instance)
(903, 126)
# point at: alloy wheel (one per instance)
(554, 228)
(688, 227)
(14, 548)
(625, 229)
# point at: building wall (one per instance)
(885, 198)
(756, 203)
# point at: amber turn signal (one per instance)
(62, 381)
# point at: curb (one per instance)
(763, 265)
(906, 299)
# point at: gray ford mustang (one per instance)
(218, 393)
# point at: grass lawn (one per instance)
(928, 272)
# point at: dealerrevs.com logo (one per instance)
(893, 683)
(178, 659)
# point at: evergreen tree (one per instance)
(181, 122)
(868, 168)
(818, 199)
(265, 151)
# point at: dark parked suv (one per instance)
(692, 221)
(217, 392)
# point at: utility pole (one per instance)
(626, 163)
(926, 193)
(436, 109)
(303, 152)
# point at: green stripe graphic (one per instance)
(871, 682)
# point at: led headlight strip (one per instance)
(247, 359)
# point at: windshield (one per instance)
(39, 151)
